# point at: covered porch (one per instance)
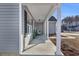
(40, 46)
(35, 29)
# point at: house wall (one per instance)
(52, 27)
(9, 27)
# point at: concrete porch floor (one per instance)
(40, 46)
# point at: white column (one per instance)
(20, 29)
(47, 27)
(58, 32)
(33, 24)
(32, 27)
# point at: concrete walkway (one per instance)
(40, 46)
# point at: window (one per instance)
(25, 22)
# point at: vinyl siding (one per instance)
(52, 27)
(9, 27)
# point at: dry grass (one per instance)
(70, 47)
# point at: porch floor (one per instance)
(40, 46)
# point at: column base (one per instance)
(59, 53)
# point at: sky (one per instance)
(69, 9)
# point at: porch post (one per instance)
(33, 24)
(32, 27)
(20, 29)
(47, 25)
(58, 32)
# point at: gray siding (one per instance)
(9, 27)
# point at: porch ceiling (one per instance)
(40, 10)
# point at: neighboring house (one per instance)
(71, 23)
(52, 25)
